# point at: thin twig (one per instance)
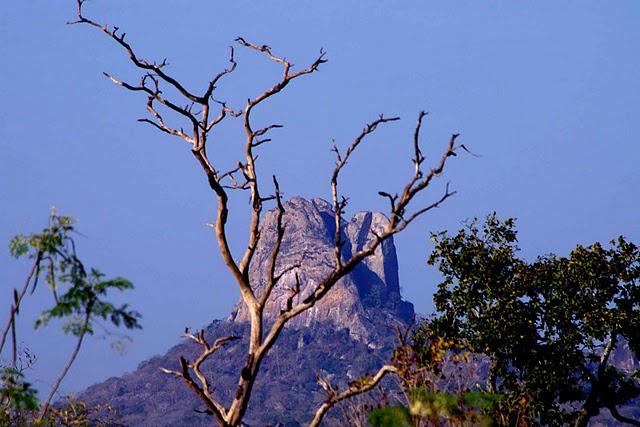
(15, 307)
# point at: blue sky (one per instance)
(547, 92)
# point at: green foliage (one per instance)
(393, 416)
(48, 242)
(482, 400)
(439, 379)
(16, 392)
(18, 399)
(84, 291)
(469, 407)
(433, 404)
(545, 324)
(84, 297)
(79, 299)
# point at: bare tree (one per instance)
(335, 396)
(210, 112)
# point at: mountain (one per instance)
(349, 333)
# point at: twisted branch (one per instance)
(202, 389)
(357, 387)
(252, 142)
(272, 278)
(201, 125)
(340, 204)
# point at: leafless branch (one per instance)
(289, 269)
(418, 158)
(618, 416)
(257, 142)
(272, 279)
(198, 111)
(250, 167)
(67, 366)
(468, 151)
(155, 95)
(217, 77)
(406, 221)
(231, 172)
(139, 62)
(264, 130)
(293, 292)
(362, 385)
(14, 339)
(15, 306)
(339, 203)
(392, 199)
(417, 183)
(208, 350)
(202, 389)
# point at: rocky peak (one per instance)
(349, 333)
(370, 293)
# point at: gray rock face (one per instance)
(371, 290)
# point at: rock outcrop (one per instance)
(309, 243)
(349, 333)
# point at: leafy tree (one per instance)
(79, 300)
(549, 326)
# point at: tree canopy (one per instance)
(549, 326)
